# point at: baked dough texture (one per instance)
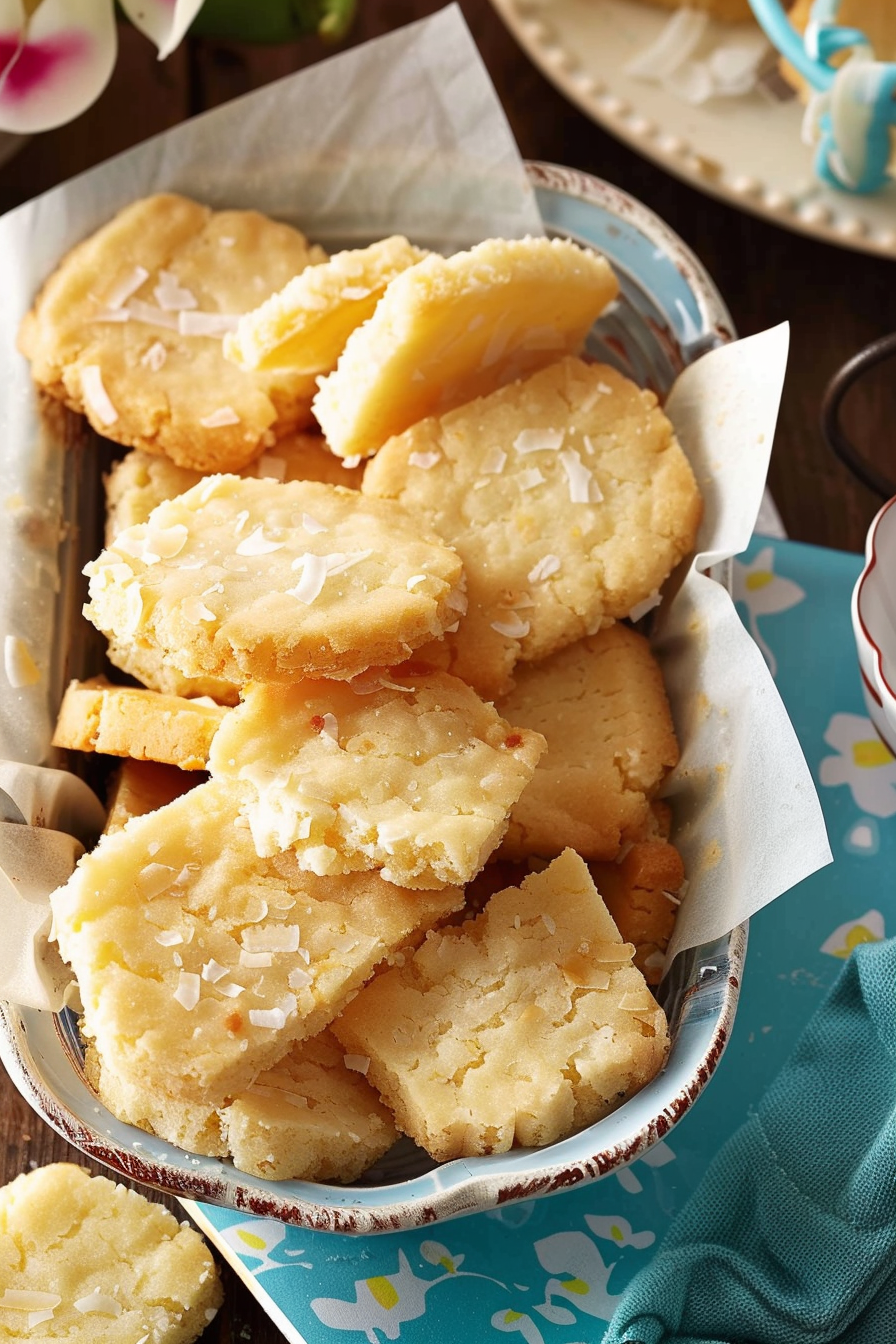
(414, 777)
(128, 721)
(641, 892)
(454, 328)
(306, 325)
(190, 949)
(514, 1028)
(86, 1260)
(138, 787)
(147, 381)
(601, 706)
(258, 580)
(568, 499)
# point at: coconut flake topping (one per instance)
(170, 294)
(224, 415)
(22, 1299)
(358, 1063)
(122, 290)
(539, 440)
(314, 576)
(583, 488)
(425, 461)
(206, 324)
(98, 1302)
(151, 315)
(546, 566)
(258, 544)
(311, 525)
(513, 627)
(187, 992)
(272, 939)
(275, 1018)
(494, 461)
(96, 397)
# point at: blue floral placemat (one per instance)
(551, 1270)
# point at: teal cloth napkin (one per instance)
(790, 1238)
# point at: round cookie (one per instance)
(602, 709)
(129, 329)
(257, 580)
(566, 496)
(414, 777)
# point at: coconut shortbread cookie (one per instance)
(128, 721)
(84, 1259)
(601, 706)
(138, 787)
(190, 949)
(514, 1028)
(128, 330)
(140, 481)
(451, 329)
(307, 324)
(257, 580)
(413, 775)
(642, 893)
(312, 1117)
(566, 496)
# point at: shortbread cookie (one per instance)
(414, 777)
(191, 950)
(451, 329)
(312, 1117)
(247, 580)
(641, 894)
(152, 667)
(602, 709)
(140, 481)
(138, 787)
(514, 1028)
(128, 330)
(566, 496)
(82, 1258)
(305, 326)
(128, 721)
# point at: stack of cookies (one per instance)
(373, 559)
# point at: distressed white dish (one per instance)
(746, 150)
(667, 315)
(874, 623)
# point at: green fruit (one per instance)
(273, 20)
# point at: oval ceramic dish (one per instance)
(668, 314)
(874, 623)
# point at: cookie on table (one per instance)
(414, 775)
(138, 787)
(257, 580)
(601, 706)
(312, 1117)
(82, 1258)
(517, 1027)
(222, 959)
(568, 499)
(451, 329)
(641, 894)
(129, 721)
(306, 325)
(129, 329)
(140, 481)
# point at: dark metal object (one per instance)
(836, 438)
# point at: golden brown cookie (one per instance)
(89, 1260)
(128, 329)
(128, 721)
(641, 893)
(602, 708)
(257, 580)
(566, 496)
(138, 787)
(221, 959)
(451, 329)
(414, 777)
(517, 1027)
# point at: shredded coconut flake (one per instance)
(583, 488)
(151, 315)
(269, 467)
(414, 582)
(258, 544)
(224, 415)
(206, 324)
(311, 525)
(538, 440)
(358, 1063)
(168, 938)
(271, 939)
(275, 1018)
(331, 727)
(167, 542)
(494, 461)
(110, 315)
(355, 292)
(171, 295)
(213, 971)
(339, 561)
(513, 628)
(123, 288)
(96, 397)
(549, 923)
(546, 566)
(640, 609)
(425, 461)
(351, 462)
(22, 1299)
(230, 990)
(314, 576)
(21, 669)
(299, 978)
(38, 1317)
(187, 992)
(457, 601)
(194, 611)
(529, 478)
(154, 879)
(98, 1302)
(255, 960)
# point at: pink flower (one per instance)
(56, 56)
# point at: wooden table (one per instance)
(835, 300)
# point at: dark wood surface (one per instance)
(836, 302)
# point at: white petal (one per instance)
(62, 66)
(163, 23)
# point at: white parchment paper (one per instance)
(405, 134)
